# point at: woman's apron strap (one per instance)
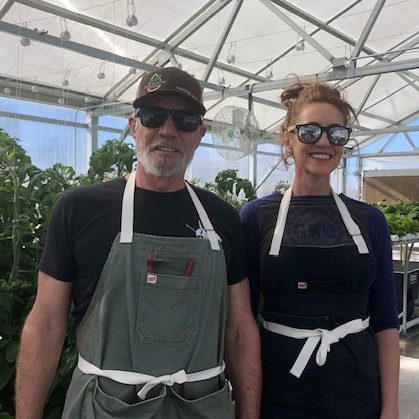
(350, 224)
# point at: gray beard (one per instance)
(169, 166)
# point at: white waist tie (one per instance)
(149, 381)
(324, 336)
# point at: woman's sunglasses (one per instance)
(155, 117)
(311, 133)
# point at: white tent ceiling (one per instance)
(369, 47)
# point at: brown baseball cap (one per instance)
(170, 81)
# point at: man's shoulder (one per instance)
(97, 191)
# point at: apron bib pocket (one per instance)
(168, 309)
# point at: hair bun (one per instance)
(290, 94)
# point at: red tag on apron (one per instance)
(151, 278)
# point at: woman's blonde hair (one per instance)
(302, 93)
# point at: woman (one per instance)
(323, 265)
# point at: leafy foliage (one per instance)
(113, 159)
(235, 190)
(27, 196)
(282, 186)
(402, 217)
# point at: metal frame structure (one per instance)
(345, 71)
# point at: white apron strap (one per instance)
(280, 222)
(324, 336)
(350, 224)
(149, 381)
(206, 223)
(127, 215)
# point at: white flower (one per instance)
(239, 197)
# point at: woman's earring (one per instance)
(341, 164)
(289, 158)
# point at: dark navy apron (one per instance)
(319, 353)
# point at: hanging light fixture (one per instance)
(65, 34)
(101, 75)
(175, 62)
(131, 19)
(7, 90)
(61, 101)
(133, 70)
(300, 45)
(65, 82)
(221, 79)
(269, 74)
(25, 41)
(34, 89)
(231, 56)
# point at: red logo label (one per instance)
(151, 279)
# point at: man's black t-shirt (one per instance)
(86, 220)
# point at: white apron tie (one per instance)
(324, 336)
(149, 381)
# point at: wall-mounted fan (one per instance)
(235, 131)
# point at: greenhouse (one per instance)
(69, 73)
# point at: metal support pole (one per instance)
(92, 135)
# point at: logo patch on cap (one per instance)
(154, 83)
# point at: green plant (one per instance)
(235, 190)
(113, 159)
(401, 224)
(27, 195)
(282, 186)
(402, 217)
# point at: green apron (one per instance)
(151, 343)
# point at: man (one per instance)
(159, 288)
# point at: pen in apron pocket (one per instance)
(150, 264)
(190, 267)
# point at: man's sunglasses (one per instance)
(311, 133)
(155, 117)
